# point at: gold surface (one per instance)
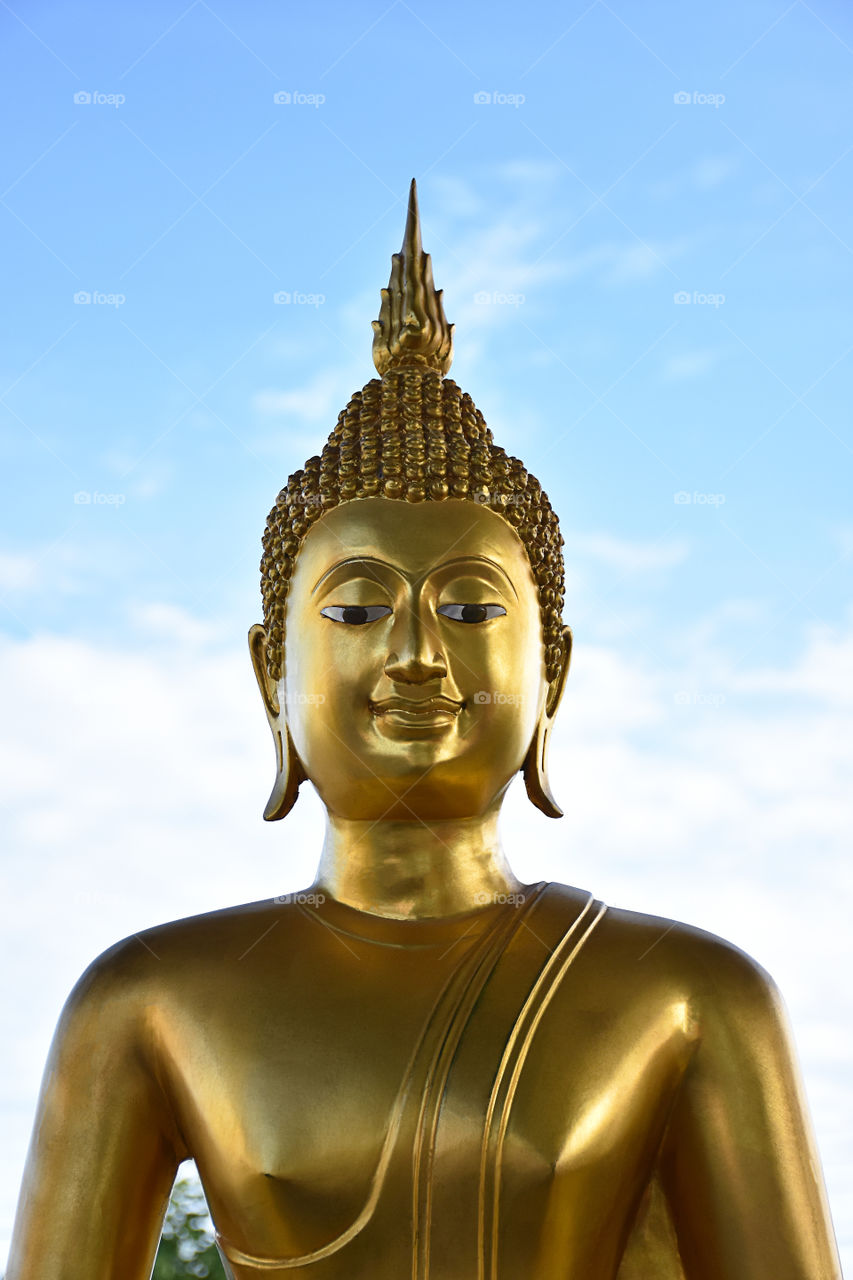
(420, 1067)
(411, 320)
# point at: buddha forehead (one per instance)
(413, 537)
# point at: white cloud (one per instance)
(523, 252)
(711, 171)
(61, 562)
(492, 275)
(317, 401)
(842, 536)
(530, 173)
(454, 196)
(17, 572)
(822, 673)
(637, 260)
(689, 364)
(705, 173)
(173, 624)
(628, 556)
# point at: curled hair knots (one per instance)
(415, 436)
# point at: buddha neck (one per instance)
(415, 870)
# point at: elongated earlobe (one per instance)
(289, 773)
(535, 771)
(288, 777)
(535, 767)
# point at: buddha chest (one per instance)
(376, 1098)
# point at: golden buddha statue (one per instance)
(420, 1068)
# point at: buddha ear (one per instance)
(289, 772)
(535, 767)
(266, 684)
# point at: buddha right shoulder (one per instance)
(179, 953)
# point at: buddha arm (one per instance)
(740, 1167)
(104, 1150)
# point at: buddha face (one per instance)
(414, 674)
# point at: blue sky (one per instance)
(706, 743)
(598, 198)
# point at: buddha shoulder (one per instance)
(179, 956)
(716, 983)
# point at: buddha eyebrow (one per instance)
(355, 561)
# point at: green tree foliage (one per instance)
(186, 1247)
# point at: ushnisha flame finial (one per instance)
(412, 327)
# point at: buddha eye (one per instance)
(356, 614)
(471, 612)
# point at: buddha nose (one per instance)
(416, 658)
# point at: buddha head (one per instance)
(412, 655)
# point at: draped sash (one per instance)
(451, 1114)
